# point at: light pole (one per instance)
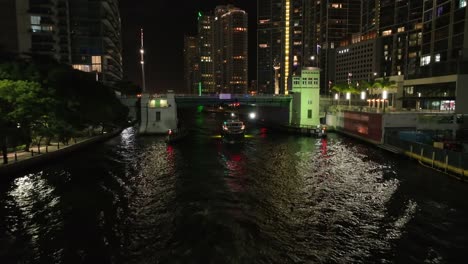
(276, 66)
(142, 62)
(384, 97)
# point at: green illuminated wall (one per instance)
(306, 98)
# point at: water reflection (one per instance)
(272, 199)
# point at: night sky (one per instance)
(165, 22)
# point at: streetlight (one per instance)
(142, 62)
(384, 97)
(363, 95)
(276, 67)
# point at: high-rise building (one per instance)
(335, 22)
(231, 49)
(96, 38)
(206, 52)
(418, 43)
(191, 64)
(280, 43)
(31, 28)
(269, 47)
(83, 33)
(301, 33)
(440, 80)
(222, 45)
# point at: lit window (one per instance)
(163, 103)
(462, 3)
(387, 32)
(82, 67)
(96, 63)
(335, 5)
(437, 58)
(425, 60)
(35, 28)
(35, 20)
(401, 29)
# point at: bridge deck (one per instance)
(263, 100)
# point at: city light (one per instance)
(252, 115)
(384, 94)
(363, 95)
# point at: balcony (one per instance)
(41, 11)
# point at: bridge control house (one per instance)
(306, 98)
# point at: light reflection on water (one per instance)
(271, 199)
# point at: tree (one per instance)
(24, 103)
(385, 84)
(352, 88)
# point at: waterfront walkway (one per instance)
(37, 156)
(34, 151)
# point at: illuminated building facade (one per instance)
(280, 49)
(440, 80)
(83, 33)
(231, 49)
(206, 53)
(335, 21)
(298, 33)
(420, 43)
(32, 28)
(269, 39)
(96, 44)
(222, 45)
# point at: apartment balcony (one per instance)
(112, 40)
(110, 7)
(42, 39)
(42, 11)
(43, 48)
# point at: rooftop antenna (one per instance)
(142, 62)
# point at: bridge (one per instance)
(186, 100)
(158, 112)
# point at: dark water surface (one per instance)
(275, 198)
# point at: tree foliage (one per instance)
(49, 99)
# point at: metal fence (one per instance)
(435, 155)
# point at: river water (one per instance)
(275, 198)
